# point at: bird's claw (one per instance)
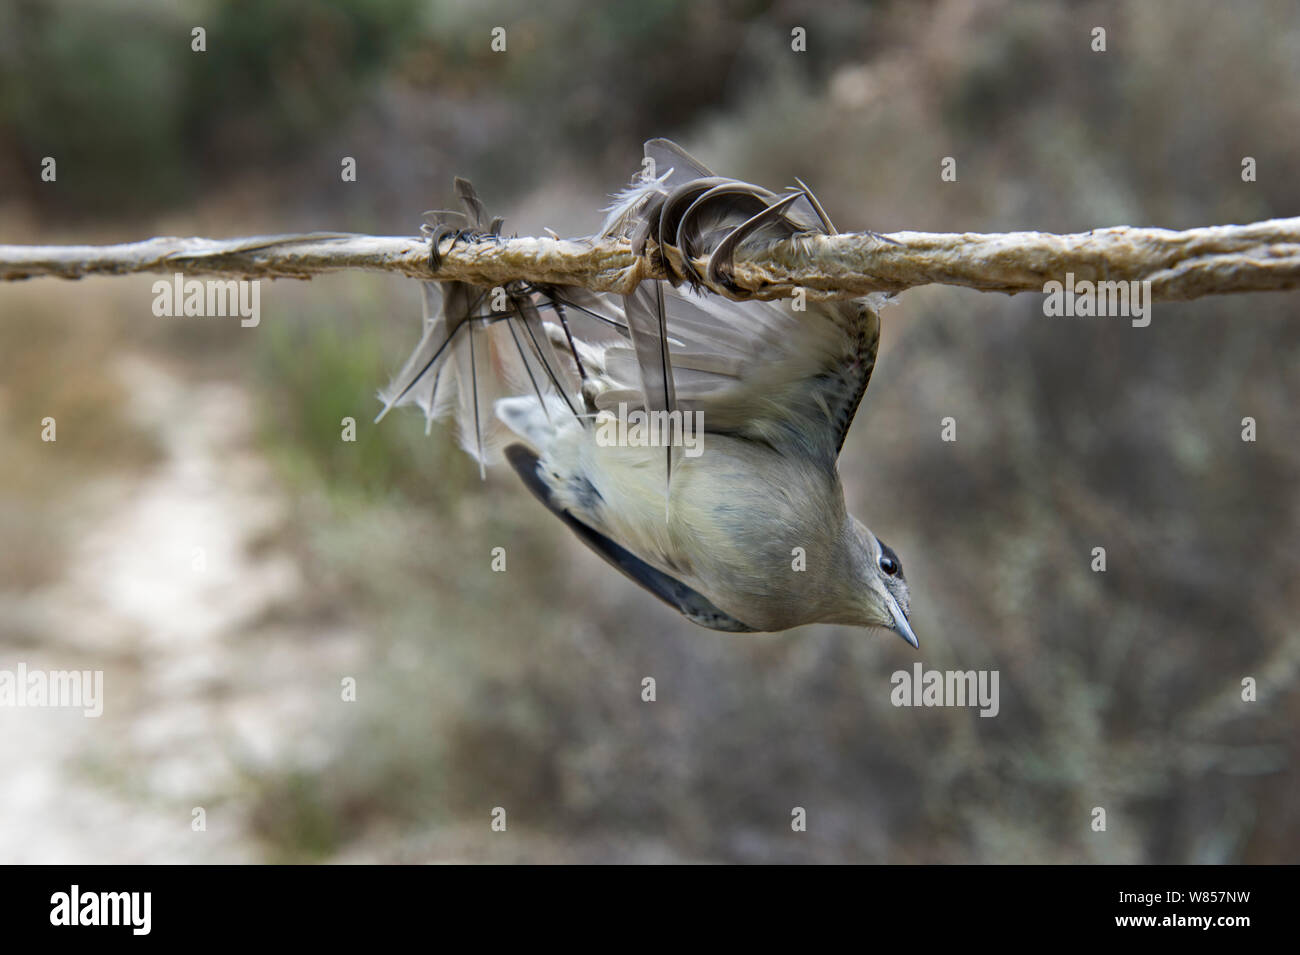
(438, 231)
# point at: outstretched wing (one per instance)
(763, 370)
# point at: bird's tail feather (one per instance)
(478, 345)
(469, 357)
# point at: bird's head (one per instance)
(881, 597)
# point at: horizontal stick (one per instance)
(1261, 256)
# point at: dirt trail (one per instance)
(165, 593)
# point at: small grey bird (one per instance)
(688, 439)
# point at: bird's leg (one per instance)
(439, 231)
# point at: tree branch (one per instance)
(1261, 256)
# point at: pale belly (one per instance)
(757, 533)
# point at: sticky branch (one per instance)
(1262, 256)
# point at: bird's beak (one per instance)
(901, 626)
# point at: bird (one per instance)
(689, 439)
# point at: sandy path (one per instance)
(165, 594)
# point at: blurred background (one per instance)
(201, 534)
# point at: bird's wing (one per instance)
(764, 370)
(668, 157)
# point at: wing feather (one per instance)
(759, 369)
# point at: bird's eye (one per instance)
(889, 565)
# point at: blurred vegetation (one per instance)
(311, 398)
(71, 384)
(138, 119)
(522, 689)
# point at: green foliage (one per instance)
(277, 75)
(99, 90)
(136, 119)
(313, 375)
